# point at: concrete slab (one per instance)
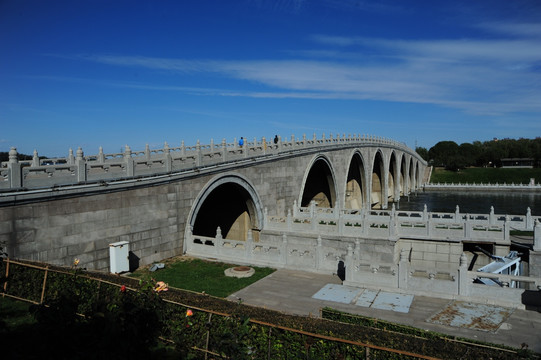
(393, 301)
(337, 293)
(472, 316)
(367, 298)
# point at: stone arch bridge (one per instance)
(55, 210)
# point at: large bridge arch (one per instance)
(319, 184)
(230, 202)
(355, 196)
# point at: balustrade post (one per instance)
(168, 161)
(529, 219)
(264, 145)
(463, 282)
(312, 208)
(35, 159)
(101, 155)
(14, 168)
(182, 149)
(249, 245)
(129, 161)
(349, 263)
(403, 269)
(457, 213)
(81, 165)
(295, 208)
(304, 140)
(279, 143)
(284, 249)
(224, 150)
(319, 253)
(219, 243)
(314, 139)
(211, 145)
(491, 217)
(507, 229)
(198, 155)
(293, 145)
(537, 236)
(71, 158)
(147, 152)
(289, 220)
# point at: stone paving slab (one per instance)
(473, 316)
(338, 293)
(392, 301)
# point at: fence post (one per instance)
(44, 282)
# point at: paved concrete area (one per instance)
(292, 292)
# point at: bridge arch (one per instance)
(377, 189)
(355, 194)
(393, 181)
(403, 177)
(230, 202)
(319, 184)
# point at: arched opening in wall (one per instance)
(403, 190)
(319, 186)
(391, 188)
(230, 205)
(411, 179)
(355, 185)
(419, 179)
(376, 195)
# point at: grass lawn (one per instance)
(199, 275)
(486, 175)
(14, 314)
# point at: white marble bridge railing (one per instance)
(329, 256)
(80, 168)
(483, 186)
(393, 224)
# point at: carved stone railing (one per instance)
(531, 186)
(393, 224)
(317, 255)
(80, 168)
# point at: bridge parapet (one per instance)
(54, 172)
(393, 224)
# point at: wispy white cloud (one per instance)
(483, 76)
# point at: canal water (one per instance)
(510, 203)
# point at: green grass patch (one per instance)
(14, 314)
(485, 175)
(199, 275)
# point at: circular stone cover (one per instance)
(239, 271)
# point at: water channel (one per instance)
(509, 203)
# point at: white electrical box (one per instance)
(118, 256)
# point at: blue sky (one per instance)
(110, 73)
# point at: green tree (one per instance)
(423, 152)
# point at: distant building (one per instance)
(518, 163)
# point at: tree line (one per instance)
(450, 155)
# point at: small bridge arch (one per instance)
(319, 184)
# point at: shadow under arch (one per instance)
(231, 203)
(319, 184)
